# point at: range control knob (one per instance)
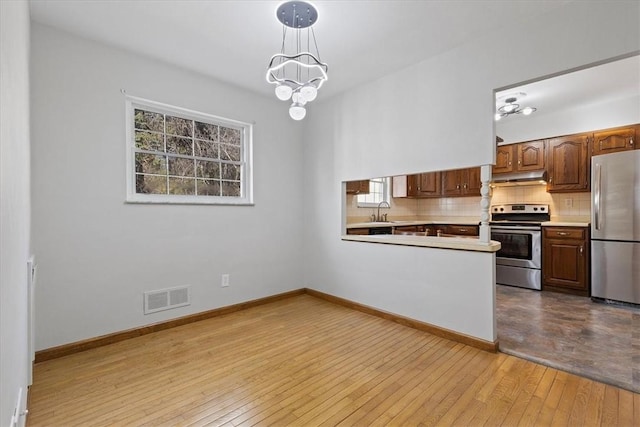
(542, 208)
(535, 209)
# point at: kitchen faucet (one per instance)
(379, 218)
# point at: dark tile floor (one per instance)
(574, 334)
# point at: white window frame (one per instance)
(246, 174)
(386, 195)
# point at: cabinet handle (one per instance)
(550, 179)
(519, 162)
(462, 230)
(581, 250)
(631, 141)
(465, 186)
(562, 233)
(458, 187)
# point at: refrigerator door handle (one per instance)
(596, 195)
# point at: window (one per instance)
(176, 155)
(378, 192)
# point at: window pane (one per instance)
(147, 120)
(182, 185)
(230, 152)
(206, 149)
(150, 163)
(206, 131)
(230, 188)
(208, 169)
(230, 172)
(151, 184)
(179, 145)
(178, 126)
(229, 136)
(181, 167)
(208, 187)
(149, 141)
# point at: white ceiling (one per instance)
(234, 40)
(594, 85)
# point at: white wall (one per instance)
(409, 122)
(14, 205)
(96, 254)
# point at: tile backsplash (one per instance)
(563, 206)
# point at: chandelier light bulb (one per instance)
(528, 110)
(298, 98)
(510, 108)
(283, 92)
(497, 117)
(309, 92)
(297, 111)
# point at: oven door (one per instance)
(520, 246)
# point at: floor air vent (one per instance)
(164, 299)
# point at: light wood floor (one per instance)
(303, 361)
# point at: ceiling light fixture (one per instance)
(510, 106)
(297, 74)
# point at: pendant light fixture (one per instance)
(296, 73)
(510, 106)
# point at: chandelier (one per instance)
(296, 73)
(510, 106)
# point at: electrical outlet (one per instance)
(225, 281)
(568, 203)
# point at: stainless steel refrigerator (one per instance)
(615, 226)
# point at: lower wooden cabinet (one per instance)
(565, 260)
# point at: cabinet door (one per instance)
(358, 187)
(610, 141)
(429, 184)
(568, 163)
(451, 183)
(399, 186)
(471, 182)
(504, 159)
(530, 155)
(413, 182)
(565, 262)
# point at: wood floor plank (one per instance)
(304, 361)
(593, 415)
(610, 406)
(625, 408)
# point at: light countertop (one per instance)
(457, 243)
(454, 221)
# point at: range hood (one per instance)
(538, 177)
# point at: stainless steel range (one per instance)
(519, 229)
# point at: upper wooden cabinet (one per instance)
(610, 141)
(424, 185)
(504, 159)
(568, 163)
(358, 187)
(461, 182)
(525, 156)
(530, 156)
